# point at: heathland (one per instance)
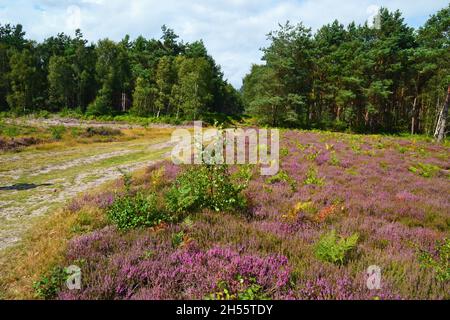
(340, 204)
(363, 185)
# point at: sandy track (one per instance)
(71, 122)
(24, 196)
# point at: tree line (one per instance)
(149, 78)
(385, 78)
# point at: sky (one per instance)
(232, 30)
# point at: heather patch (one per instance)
(137, 266)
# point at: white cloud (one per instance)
(232, 30)
(73, 20)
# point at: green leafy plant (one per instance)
(10, 131)
(334, 160)
(247, 289)
(313, 154)
(206, 186)
(284, 152)
(127, 180)
(101, 131)
(334, 249)
(189, 192)
(402, 149)
(283, 176)
(253, 292)
(128, 212)
(312, 178)
(48, 286)
(177, 239)
(439, 262)
(57, 132)
(356, 148)
(425, 170)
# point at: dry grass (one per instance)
(42, 248)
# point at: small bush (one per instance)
(312, 178)
(16, 130)
(283, 176)
(18, 143)
(206, 186)
(43, 114)
(101, 131)
(177, 239)
(128, 212)
(334, 160)
(49, 285)
(57, 132)
(188, 193)
(425, 170)
(241, 289)
(10, 131)
(439, 262)
(284, 152)
(334, 250)
(101, 105)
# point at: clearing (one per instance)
(42, 177)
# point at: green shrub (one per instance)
(10, 131)
(206, 186)
(189, 192)
(177, 239)
(43, 114)
(284, 152)
(283, 176)
(76, 113)
(334, 160)
(402, 149)
(331, 249)
(425, 170)
(102, 104)
(312, 177)
(57, 132)
(313, 154)
(48, 286)
(248, 289)
(128, 212)
(14, 130)
(101, 131)
(440, 262)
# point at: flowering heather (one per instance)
(140, 267)
(366, 187)
(100, 200)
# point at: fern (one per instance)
(332, 249)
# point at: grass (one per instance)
(42, 249)
(47, 174)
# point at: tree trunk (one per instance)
(442, 122)
(123, 102)
(414, 114)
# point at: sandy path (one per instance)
(18, 207)
(71, 122)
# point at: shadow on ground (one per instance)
(24, 186)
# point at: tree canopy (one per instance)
(147, 77)
(361, 78)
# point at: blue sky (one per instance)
(233, 30)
